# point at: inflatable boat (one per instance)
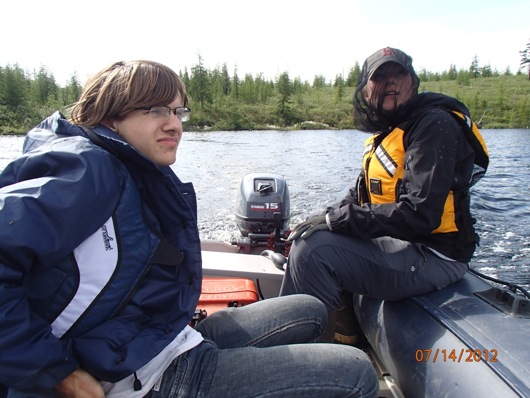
(471, 339)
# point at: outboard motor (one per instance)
(263, 212)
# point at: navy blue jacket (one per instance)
(82, 281)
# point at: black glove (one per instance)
(306, 228)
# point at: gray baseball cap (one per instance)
(385, 55)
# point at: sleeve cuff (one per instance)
(328, 222)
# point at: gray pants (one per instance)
(327, 263)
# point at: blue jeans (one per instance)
(327, 263)
(257, 351)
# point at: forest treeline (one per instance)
(226, 101)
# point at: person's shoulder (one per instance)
(75, 159)
(435, 124)
(432, 109)
(74, 152)
(438, 107)
(437, 115)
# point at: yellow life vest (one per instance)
(384, 167)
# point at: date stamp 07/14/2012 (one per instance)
(454, 355)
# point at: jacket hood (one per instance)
(57, 126)
(51, 128)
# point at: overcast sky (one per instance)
(301, 37)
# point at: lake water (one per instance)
(320, 167)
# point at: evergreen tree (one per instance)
(185, 77)
(486, 71)
(319, 81)
(265, 89)
(247, 92)
(44, 87)
(463, 77)
(72, 91)
(423, 75)
(225, 80)
(452, 74)
(199, 88)
(339, 88)
(235, 85)
(353, 75)
(298, 86)
(14, 90)
(215, 83)
(285, 90)
(474, 68)
(525, 59)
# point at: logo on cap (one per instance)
(388, 52)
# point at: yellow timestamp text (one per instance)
(454, 355)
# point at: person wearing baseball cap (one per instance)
(406, 227)
(378, 67)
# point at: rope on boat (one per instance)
(512, 286)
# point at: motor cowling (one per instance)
(263, 204)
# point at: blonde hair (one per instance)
(123, 87)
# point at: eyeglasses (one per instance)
(162, 112)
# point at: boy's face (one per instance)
(157, 138)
